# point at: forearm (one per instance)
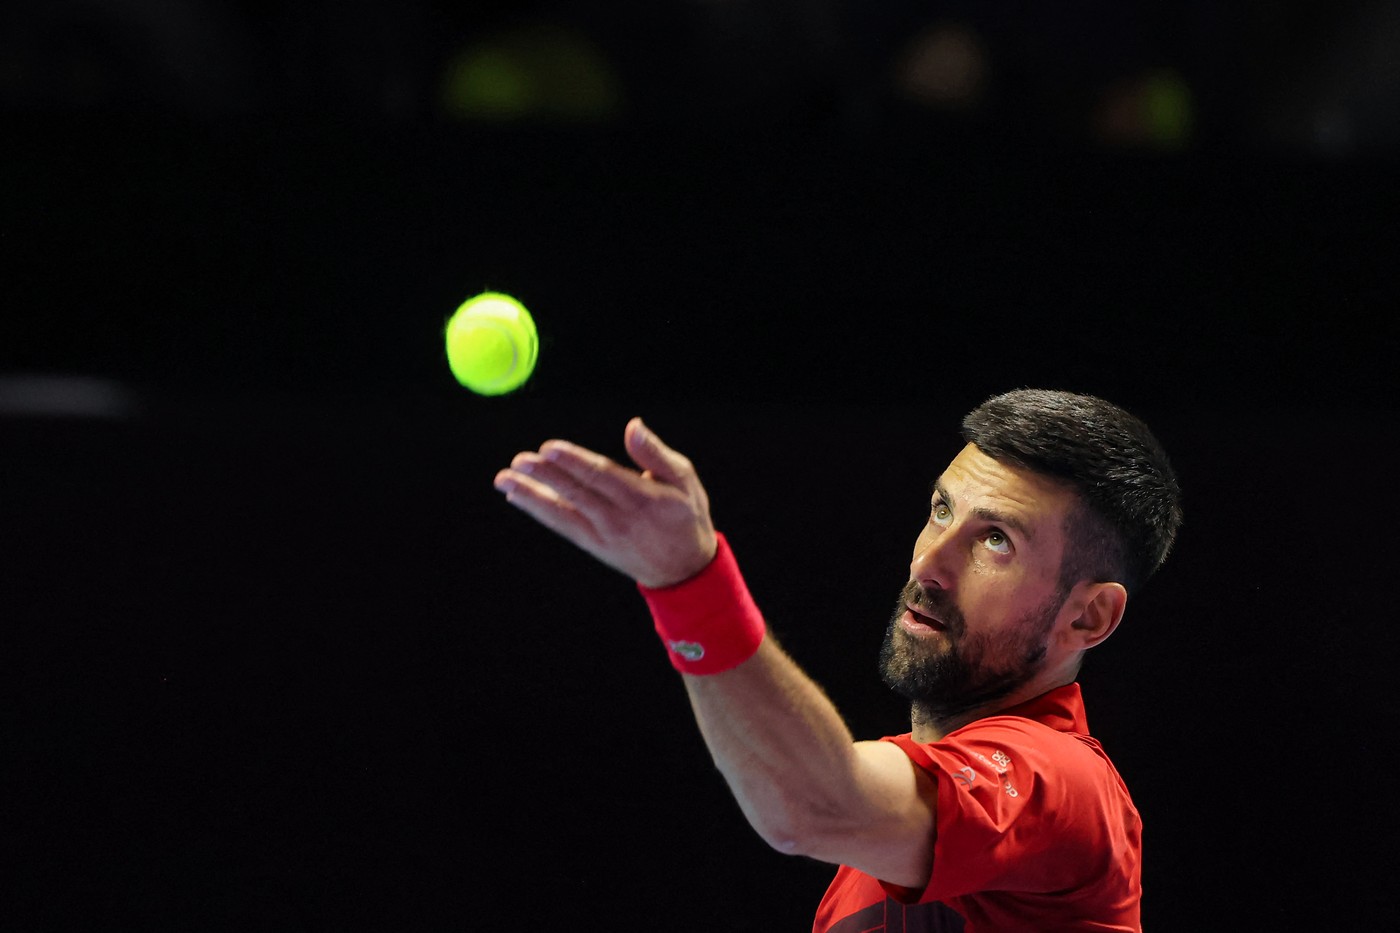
(781, 745)
(783, 748)
(779, 742)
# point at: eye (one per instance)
(941, 514)
(998, 542)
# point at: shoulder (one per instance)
(1020, 788)
(1023, 758)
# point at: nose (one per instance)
(932, 566)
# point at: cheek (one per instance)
(986, 566)
(990, 601)
(980, 602)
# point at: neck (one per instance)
(929, 724)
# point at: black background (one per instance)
(276, 656)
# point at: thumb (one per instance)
(649, 453)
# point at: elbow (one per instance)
(791, 830)
(781, 839)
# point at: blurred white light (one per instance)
(53, 396)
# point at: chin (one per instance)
(915, 669)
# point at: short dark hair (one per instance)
(1130, 503)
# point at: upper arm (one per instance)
(888, 830)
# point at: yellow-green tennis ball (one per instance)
(492, 344)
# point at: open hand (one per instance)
(653, 525)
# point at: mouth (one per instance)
(919, 623)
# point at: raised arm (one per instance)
(799, 777)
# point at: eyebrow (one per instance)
(986, 514)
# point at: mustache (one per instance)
(936, 603)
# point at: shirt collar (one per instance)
(1062, 709)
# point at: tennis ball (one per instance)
(492, 344)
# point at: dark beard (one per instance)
(953, 675)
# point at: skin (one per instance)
(991, 549)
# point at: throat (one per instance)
(929, 725)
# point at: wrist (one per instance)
(708, 623)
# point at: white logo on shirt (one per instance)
(1000, 763)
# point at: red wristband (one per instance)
(708, 623)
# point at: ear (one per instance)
(1102, 609)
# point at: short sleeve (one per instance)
(1021, 807)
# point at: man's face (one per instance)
(975, 621)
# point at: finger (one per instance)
(589, 499)
(546, 506)
(650, 453)
(592, 471)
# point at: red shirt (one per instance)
(1035, 832)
